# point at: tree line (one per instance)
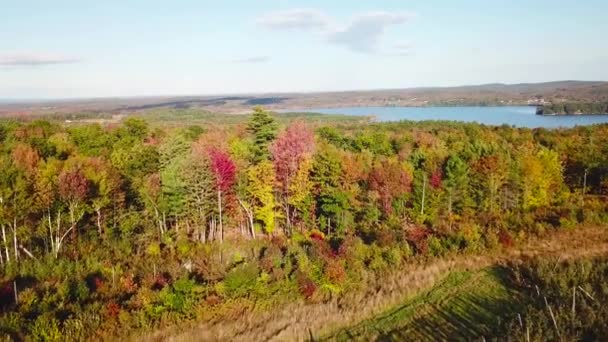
(572, 108)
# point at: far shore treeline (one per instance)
(573, 108)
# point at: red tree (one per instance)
(435, 180)
(223, 168)
(389, 180)
(26, 158)
(289, 150)
(73, 186)
(73, 189)
(224, 171)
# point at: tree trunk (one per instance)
(74, 230)
(8, 256)
(249, 214)
(159, 221)
(219, 207)
(450, 210)
(15, 239)
(26, 251)
(584, 188)
(98, 211)
(288, 218)
(212, 229)
(423, 194)
(203, 229)
(51, 231)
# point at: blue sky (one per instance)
(77, 48)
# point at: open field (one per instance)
(463, 295)
(464, 305)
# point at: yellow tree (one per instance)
(542, 181)
(261, 180)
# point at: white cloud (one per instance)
(302, 18)
(35, 59)
(402, 49)
(363, 34)
(252, 60)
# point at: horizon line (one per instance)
(6, 101)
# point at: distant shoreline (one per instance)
(489, 95)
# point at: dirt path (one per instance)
(298, 321)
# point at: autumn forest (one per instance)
(130, 228)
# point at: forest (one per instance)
(128, 228)
(573, 108)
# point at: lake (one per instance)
(519, 116)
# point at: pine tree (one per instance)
(264, 130)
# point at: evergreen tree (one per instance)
(264, 130)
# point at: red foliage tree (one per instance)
(418, 236)
(26, 158)
(73, 189)
(389, 180)
(223, 168)
(73, 186)
(224, 171)
(436, 178)
(289, 149)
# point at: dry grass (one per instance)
(301, 321)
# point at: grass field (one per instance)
(464, 305)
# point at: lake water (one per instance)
(519, 116)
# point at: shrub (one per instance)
(46, 328)
(418, 236)
(376, 259)
(393, 256)
(385, 237)
(491, 239)
(306, 286)
(471, 236)
(271, 258)
(153, 249)
(317, 235)
(505, 238)
(334, 271)
(436, 247)
(11, 324)
(240, 280)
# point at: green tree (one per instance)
(332, 201)
(173, 153)
(264, 130)
(456, 184)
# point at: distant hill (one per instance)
(479, 95)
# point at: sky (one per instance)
(86, 48)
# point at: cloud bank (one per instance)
(362, 34)
(35, 59)
(302, 18)
(252, 60)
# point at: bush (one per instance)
(334, 272)
(376, 259)
(46, 328)
(393, 256)
(471, 237)
(306, 286)
(436, 247)
(240, 280)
